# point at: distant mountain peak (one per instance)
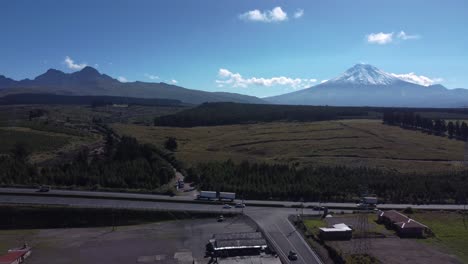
(50, 75)
(364, 74)
(89, 69)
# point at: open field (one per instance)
(450, 229)
(341, 142)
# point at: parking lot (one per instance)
(171, 242)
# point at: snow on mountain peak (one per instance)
(365, 74)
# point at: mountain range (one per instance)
(89, 81)
(361, 85)
(366, 85)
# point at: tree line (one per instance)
(457, 129)
(211, 114)
(125, 163)
(326, 184)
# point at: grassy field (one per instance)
(313, 225)
(342, 142)
(36, 141)
(451, 232)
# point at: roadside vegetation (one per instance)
(341, 184)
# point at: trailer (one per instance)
(369, 200)
(207, 195)
(227, 196)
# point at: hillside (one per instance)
(89, 81)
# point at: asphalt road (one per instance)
(350, 206)
(273, 221)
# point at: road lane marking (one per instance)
(303, 260)
(306, 244)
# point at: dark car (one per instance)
(292, 255)
(44, 188)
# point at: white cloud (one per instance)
(299, 13)
(402, 35)
(385, 38)
(380, 38)
(174, 81)
(72, 65)
(122, 79)
(236, 80)
(417, 79)
(275, 15)
(151, 77)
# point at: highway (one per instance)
(270, 216)
(272, 220)
(155, 197)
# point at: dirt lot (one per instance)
(166, 242)
(391, 249)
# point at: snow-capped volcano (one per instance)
(366, 85)
(365, 74)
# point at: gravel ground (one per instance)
(167, 242)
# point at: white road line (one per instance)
(306, 244)
(279, 229)
(278, 248)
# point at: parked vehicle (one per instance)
(292, 255)
(221, 218)
(227, 206)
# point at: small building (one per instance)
(402, 224)
(410, 228)
(15, 256)
(236, 244)
(337, 232)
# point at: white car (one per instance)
(240, 205)
(227, 206)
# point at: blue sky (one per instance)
(259, 48)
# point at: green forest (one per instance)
(326, 184)
(438, 126)
(213, 114)
(125, 164)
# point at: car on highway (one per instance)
(221, 218)
(227, 206)
(292, 255)
(318, 208)
(240, 205)
(44, 188)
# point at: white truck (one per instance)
(207, 195)
(227, 196)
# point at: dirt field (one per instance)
(166, 242)
(345, 142)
